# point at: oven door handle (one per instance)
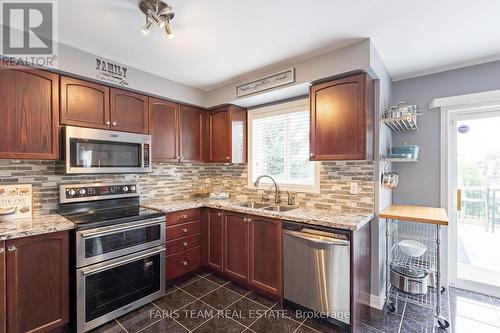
(88, 271)
(107, 231)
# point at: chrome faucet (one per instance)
(276, 190)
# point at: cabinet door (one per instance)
(3, 315)
(84, 103)
(214, 237)
(236, 246)
(265, 254)
(341, 119)
(37, 283)
(29, 104)
(238, 133)
(129, 111)
(164, 130)
(219, 136)
(190, 134)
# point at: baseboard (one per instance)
(377, 301)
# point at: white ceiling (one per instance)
(217, 41)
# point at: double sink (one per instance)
(266, 206)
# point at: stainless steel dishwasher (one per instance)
(317, 269)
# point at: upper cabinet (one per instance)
(227, 135)
(342, 119)
(177, 131)
(129, 111)
(29, 104)
(88, 104)
(84, 104)
(164, 130)
(191, 134)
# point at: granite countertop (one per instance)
(37, 225)
(315, 216)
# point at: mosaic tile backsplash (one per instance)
(178, 181)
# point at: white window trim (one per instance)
(278, 109)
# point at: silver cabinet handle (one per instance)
(11, 248)
(219, 214)
(185, 230)
(185, 243)
(184, 216)
(311, 154)
(108, 123)
(114, 123)
(245, 219)
(228, 158)
(249, 220)
(2, 250)
(185, 263)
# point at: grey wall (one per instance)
(383, 197)
(419, 182)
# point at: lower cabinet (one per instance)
(2, 288)
(213, 248)
(265, 255)
(183, 243)
(245, 248)
(36, 277)
(236, 245)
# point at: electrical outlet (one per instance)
(354, 188)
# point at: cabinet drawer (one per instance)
(183, 243)
(183, 216)
(183, 262)
(183, 230)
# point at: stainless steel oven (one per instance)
(90, 150)
(104, 243)
(109, 289)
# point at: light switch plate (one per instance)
(354, 188)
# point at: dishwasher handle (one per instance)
(317, 240)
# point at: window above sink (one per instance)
(279, 147)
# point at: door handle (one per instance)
(459, 200)
(331, 241)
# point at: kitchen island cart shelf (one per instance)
(422, 225)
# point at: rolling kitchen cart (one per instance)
(420, 230)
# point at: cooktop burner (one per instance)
(107, 208)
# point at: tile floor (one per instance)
(207, 303)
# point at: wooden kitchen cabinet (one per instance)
(190, 134)
(227, 135)
(29, 104)
(37, 275)
(183, 243)
(3, 313)
(236, 246)
(265, 257)
(129, 111)
(164, 130)
(213, 239)
(84, 104)
(342, 119)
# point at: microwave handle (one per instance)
(107, 231)
(122, 262)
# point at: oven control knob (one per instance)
(132, 188)
(82, 191)
(125, 189)
(71, 192)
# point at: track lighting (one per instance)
(157, 12)
(169, 31)
(147, 26)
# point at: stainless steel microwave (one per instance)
(90, 150)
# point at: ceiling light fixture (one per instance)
(158, 12)
(147, 26)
